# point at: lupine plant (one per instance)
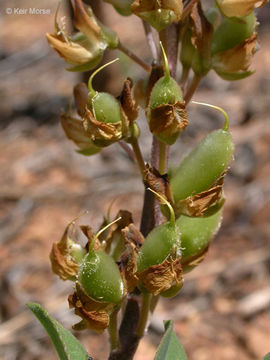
(123, 269)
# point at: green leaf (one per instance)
(170, 347)
(267, 357)
(66, 345)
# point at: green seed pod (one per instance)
(160, 243)
(166, 110)
(232, 32)
(204, 165)
(100, 278)
(99, 275)
(196, 234)
(104, 120)
(105, 107)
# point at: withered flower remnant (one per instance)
(66, 255)
(239, 8)
(160, 13)
(83, 50)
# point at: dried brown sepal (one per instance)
(238, 58)
(161, 277)
(97, 320)
(89, 233)
(168, 119)
(202, 30)
(75, 131)
(80, 93)
(157, 182)
(197, 205)
(156, 73)
(141, 6)
(85, 22)
(133, 239)
(62, 262)
(127, 101)
(102, 133)
(239, 8)
(190, 262)
(114, 230)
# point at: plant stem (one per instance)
(127, 149)
(192, 88)
(134, 57)
(162, 167)
(184, 77)
(113, 331)
(138, 156)
(150, 40)
(146, 297)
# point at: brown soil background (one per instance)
(223, 311)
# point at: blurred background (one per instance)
(223, 310)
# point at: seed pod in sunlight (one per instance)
(83, 50)
(100, 278)
(99, 275)
(234, 44)
(158, 261)
(123, 7)
(159, 14)
(233, 64)
(204, 166)
(66, 256)
(166, 111)
(239, 8)
(196, 235)
(104, 121)
(232, 32)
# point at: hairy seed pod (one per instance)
(196, 233)
(166, 111)
(100, 278)
(105, 107)
(99, 275)
(204, 165)
(160, 243)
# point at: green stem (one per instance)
(138, 156)
(192, 88)
(134, 57)
(146, 300)
(153, 303)
(162, 166)
(113, 332)
(184, 77)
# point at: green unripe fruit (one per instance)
(100, 278)
(106, 108)
(197, 232)
(158, 245)
(203, 166)
(166, 91)
(232, 32)
(160, 242)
